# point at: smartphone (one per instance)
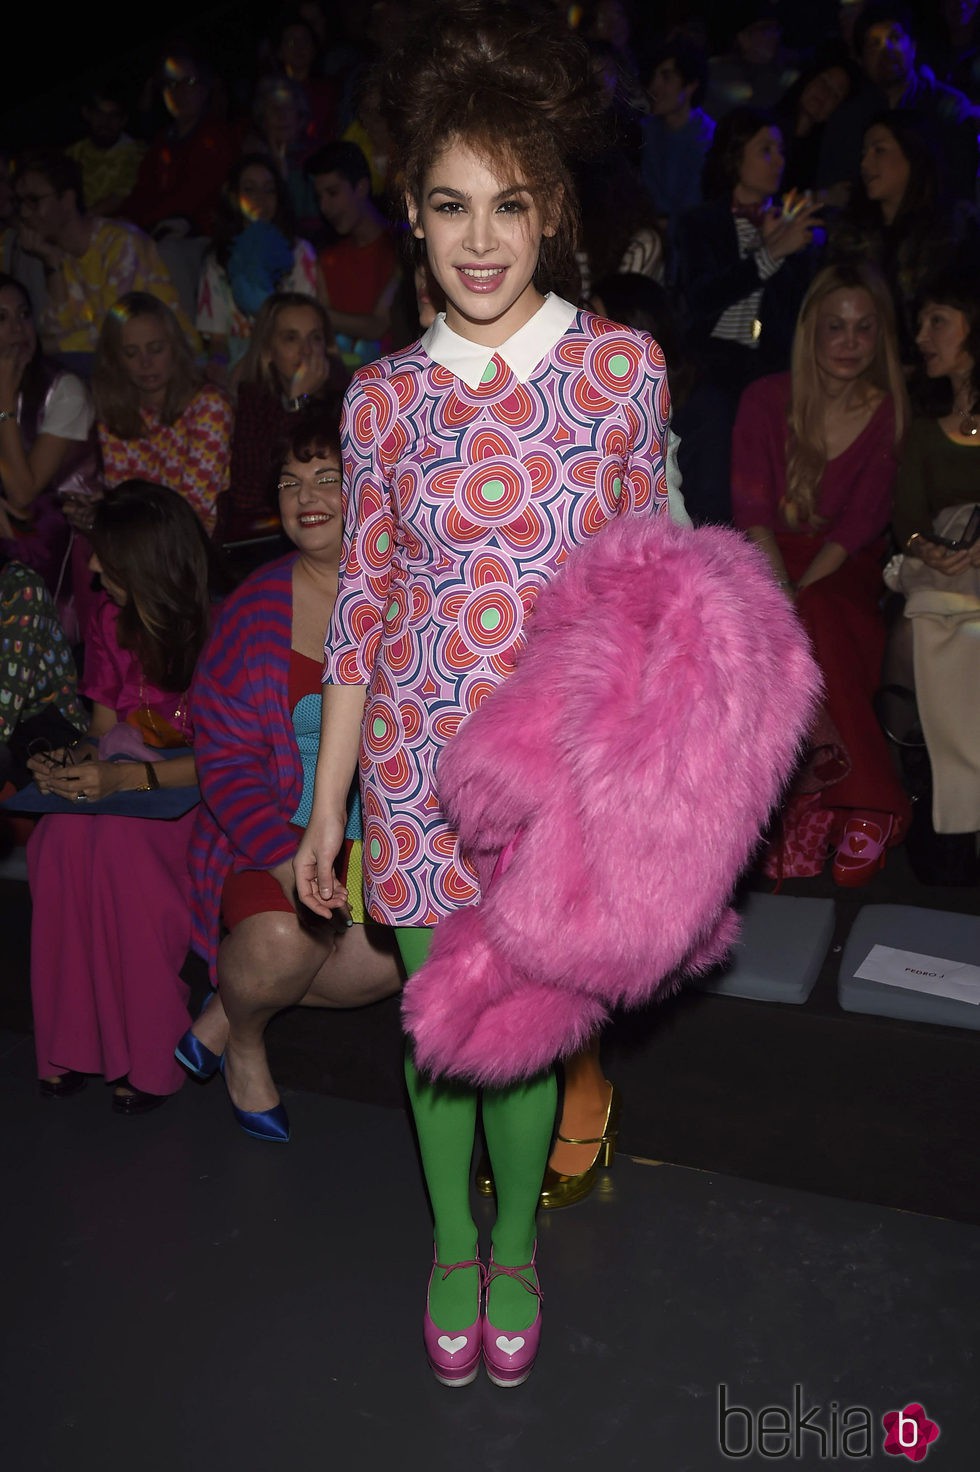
(961, 543)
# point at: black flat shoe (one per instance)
(60, 1088)
(137, 1102)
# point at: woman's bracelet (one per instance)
(152, 780)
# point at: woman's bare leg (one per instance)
(583, 1112)
(271, 961)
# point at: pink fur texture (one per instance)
(635, 755)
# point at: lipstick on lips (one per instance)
(481, 279)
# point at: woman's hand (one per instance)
(311, 374)
(79, 511)
(317, 885)
(35, 244)
(783, 235)
(944, 561)
(87, 780)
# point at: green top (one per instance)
(935, 472)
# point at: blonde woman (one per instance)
(157, 420)
(814, 460)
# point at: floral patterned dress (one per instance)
(469, 475)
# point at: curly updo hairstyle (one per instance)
(513, 84)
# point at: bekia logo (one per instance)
(909, 1433)
(826, 1432)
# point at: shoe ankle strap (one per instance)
(451, 1267)
(497, 1270)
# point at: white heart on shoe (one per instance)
(510, 1346)
(451, 1346)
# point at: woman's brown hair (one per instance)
(116, 398)
(257, 365)
(150, 543)
(518, 89)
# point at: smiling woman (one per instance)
(256, 712)
(474, 461)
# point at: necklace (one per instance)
(969, 428)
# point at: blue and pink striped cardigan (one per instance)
(248, 763)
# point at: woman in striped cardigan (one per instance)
(256, 712)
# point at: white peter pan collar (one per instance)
(522, 352)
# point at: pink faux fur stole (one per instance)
(609, 793)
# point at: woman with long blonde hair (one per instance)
(814, 459)
(157, 420)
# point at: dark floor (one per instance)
(178, 1296)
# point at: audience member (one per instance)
(360, 267)
(757, 69)
(292, 362)
(956, 53)
(743, 261)
(938, 471)
(39, 702)
(186, 164)
(677, 133)
(111, 894)
(885, 45)
(256, 711)
(156, 419)
(297, 54)
(108, 157)
(89, 262)
(897, 217)
(804, 113)
(618, 224)
(280, 120)
(46, 440)
(368, 131)
(937, 493)
(814, 456)
(255, 252)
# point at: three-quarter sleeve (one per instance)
(357, 623)
(648, 413)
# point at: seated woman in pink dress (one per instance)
(157, 420)
(814, 459)
(111, 895)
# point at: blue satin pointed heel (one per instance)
(195, 1057)
(264, 1124)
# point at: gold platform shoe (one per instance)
(564, 1190)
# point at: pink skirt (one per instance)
(110, 933)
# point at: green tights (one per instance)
(518, 1124)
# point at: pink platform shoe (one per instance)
(454, 1358)
(509, 1357)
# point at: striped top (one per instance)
(248, 764)
(740, 322)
